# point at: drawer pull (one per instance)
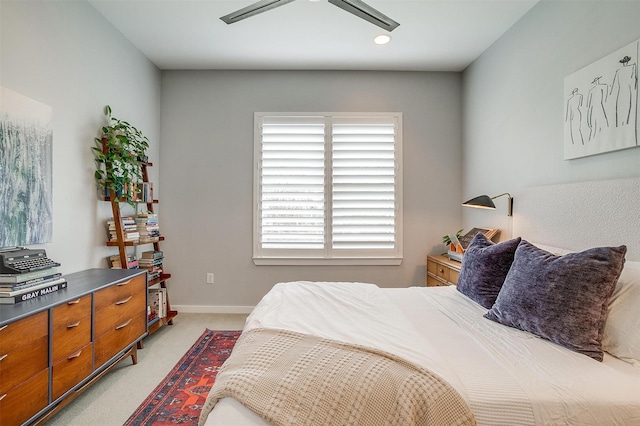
(3, 357)
(123, 283)
(4, 326)
(123, 301)
(75, 355)
(124, 324)
(74, 325)
(73, 302)
(2, 397)
(441, 271)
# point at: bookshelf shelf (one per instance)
(133, 243)
(158, 282)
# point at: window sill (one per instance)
(308, 261)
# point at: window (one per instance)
(328, 188)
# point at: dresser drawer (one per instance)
(70, 312)
(71, 370)
(22, 402)
(120, 291)
(71, 327)
(116, 314)
(120, 336)
(22, 363)
(23, 331)
(71, 338)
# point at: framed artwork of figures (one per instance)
(601, 105)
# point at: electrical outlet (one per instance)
(209, 277)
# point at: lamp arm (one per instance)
(509, 203)
(497, 196)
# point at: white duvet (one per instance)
(507, 377)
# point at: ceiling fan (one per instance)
(356, 7)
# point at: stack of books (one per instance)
(16, 288)
(152, 262)
(115, 263)
(146, 192)
(157, 303)
(147, 227)
(128, 226)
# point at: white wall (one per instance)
(514, 108)
(207, 172)
(66, 55)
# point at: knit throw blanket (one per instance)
(290, 378)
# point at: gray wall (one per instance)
(514, 108)
(66, 55)
(207, 172)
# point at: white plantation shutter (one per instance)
(292, 183)
(363, 190)
(328, 187)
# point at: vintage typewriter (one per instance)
(20, 260)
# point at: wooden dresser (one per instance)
(53, 347)
(442, 271)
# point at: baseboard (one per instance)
(201, 309)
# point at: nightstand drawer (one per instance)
(433, 282)
(453, 276)
(442, 271)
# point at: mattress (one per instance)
(506, 376)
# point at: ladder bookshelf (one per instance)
(122, 244)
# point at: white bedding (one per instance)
(507, 377)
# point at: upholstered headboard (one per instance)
(581, 215)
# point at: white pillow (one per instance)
(622, 329)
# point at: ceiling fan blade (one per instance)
(366, 12)
(253, 9)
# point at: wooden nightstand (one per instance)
(442, 271)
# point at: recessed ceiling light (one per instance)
(382, 39)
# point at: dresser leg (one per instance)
(134, 354)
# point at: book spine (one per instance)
(29, 283)
(20, 278)
(33, 294)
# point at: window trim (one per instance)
(296, 257)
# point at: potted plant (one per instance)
(119, 154)
(447, 241)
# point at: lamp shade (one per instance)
(486, 202)
(481, 202)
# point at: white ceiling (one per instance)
(434, 35)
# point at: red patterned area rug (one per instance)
(179, 398)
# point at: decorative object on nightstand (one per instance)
(460, 243)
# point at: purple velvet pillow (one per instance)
(484, 268)
(563, 299)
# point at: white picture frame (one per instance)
(601, 105)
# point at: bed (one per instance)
(504, 374)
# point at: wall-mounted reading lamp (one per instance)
(486, 202)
